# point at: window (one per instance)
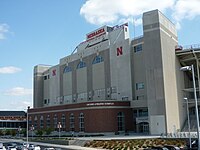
(63, 121)
(99, 92)
(41, 122)
(67, 69)
(114, 89)
(45, 77)
(48, 121)
(120, 121)
(55, 121)
(135, 114)
(97, 59)
(81, 65)
(143, 112)
(71, 122)
(125, 98)
(35, 122)
(82, 96)
(45, 101)
(138, 48)
(139, 86)
(81, 122)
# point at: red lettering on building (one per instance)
(54, 72)
(119, 51)
(95, 33)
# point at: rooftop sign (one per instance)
(96, 33)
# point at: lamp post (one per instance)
(187, 68)
(32, 129)
(27, 127)
(59, 127)
(19, 130)
(188, 116)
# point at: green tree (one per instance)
(23, 131)
(48, 131)
(1, 132)
(8, 132)
(13, 132)
(39, 132)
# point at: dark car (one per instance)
(14, 145)
(9, 146)
(19, 146)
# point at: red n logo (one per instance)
(119, 51)
(54, 72)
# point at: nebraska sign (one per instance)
(100, 104)
(95, 33)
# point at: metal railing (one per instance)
(187, 47)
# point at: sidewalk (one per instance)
(118, 137)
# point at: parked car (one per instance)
(31, 146)
(9, 146)
(2, 147)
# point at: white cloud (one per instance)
(19, 105)
(9, 70)
(3, 30)
(186, 9)
(103, 11)
(19, 91)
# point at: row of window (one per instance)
(97, 59)
(59, 124)
(12, 124)
(97, 93)
(62, 123)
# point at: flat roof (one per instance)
(12, 113)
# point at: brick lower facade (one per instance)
(99, 117)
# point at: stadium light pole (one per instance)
(188, 68)
(188, 116)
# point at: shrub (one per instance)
(39, 132)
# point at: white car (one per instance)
(2, 147)
(31, 147)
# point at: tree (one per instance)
(13, 132)
(8, 132)
(48, 131)
(39, 132)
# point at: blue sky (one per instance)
(41, 32)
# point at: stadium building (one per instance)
(112, 83)
(13, 120)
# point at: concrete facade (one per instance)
(110, 67)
